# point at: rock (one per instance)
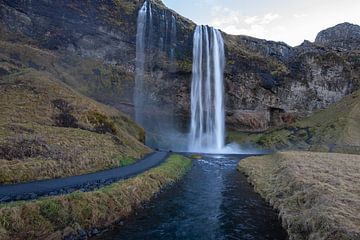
(344, 36)
(95, 231)
(248, 120)
(259, 74)
(82, 233)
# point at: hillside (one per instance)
(48, 130)
(334, 129)
(267, 83)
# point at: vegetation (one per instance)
(126, 161)
(47, 130)
(60, 216)
(317, 194)
(335, 129)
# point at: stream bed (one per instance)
(213, 201)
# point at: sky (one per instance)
(289, 21)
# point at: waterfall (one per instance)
(173, 44)
(144, 21)
(207, 130)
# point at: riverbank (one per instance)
(317, 194)
(84, 213)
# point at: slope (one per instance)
(48, 130)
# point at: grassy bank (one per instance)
(317, 194)
(56, 217)
(335, 129)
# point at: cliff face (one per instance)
(345, 37)
(280, 83)
(266, 83)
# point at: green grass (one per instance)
(125, 161)
(196, 156)
(335, 129)
(63, 215)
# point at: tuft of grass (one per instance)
(60, 216)
(124, 161)
(128, 7)
(317, 194)
(196, 156)
(102, 123)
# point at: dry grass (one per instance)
(317, 194)
(47, 130)
(56, 217)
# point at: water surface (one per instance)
(213, 201)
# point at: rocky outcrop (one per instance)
(264, 75)
(344, 36)
(266, 83)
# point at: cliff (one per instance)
(335, 129)
(266, 83)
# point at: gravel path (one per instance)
(87, 182)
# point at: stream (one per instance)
(213, 201)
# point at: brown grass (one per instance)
(317, 194)
(60, 216)
(48, 130)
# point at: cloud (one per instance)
(233, 22)
(269, 17)
(251, 20)
(300, 15)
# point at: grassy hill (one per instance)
(336, 129)
(48, 130)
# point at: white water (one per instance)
(144, 21)
(207, 130)
(173, 42)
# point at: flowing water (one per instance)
(156, 44)
(213, 201)
(207, 130)
(173, 40)
(143, 22)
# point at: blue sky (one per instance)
(290, 21)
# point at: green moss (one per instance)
(127, 6)
(278, 138)
(231, 62)
(185, 65)
(196, 156)
(124, 161)
(54, 211)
